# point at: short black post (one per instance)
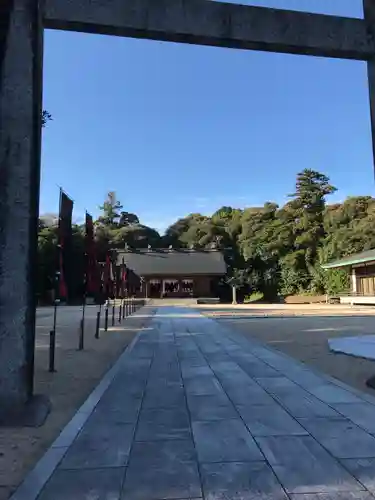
(97, 329)
(120, 313)
(52, 348)
(106, 319)
(113, 314)
(126, 307)
(81, 344)
(123, 309)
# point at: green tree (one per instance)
(268, 249)
(46, 117)
(111, 209)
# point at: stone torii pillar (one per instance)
(21, 34)
(369, 14)
(200, 22)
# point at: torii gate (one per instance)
(201, 22)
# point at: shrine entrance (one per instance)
(200, 22)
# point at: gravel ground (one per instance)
(78, 373)
(305, 337)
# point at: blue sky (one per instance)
(175, 129)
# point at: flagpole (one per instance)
(52, 339)
(57, 272)
(82, 330)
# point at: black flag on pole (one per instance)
(91, 271)
(64, 243)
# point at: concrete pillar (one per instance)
(21, 40)
(369, 14)
(234, 295)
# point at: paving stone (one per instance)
(162, 384)
(245, 355)
(341, 437)
(269, 421)
(97, 484)
(202, 386)
(224, 441)
(278, 385)
(210, 408)
(218, 356)
(236, 379)
(163, 451)
(258, 369)
(142, 352)
(337, 495)
(304, 377)
(227, 367)
(305, 405)
(362, 414)
(162, 480)
(120, 410)
(125, 388)
(161, 398)
(165, 363)
(246, 394)
(362, 469)
(163, 424)
(220, 399)
(304, 466)
(173, 375)
(189, 371)
(240, 481)
(193, 360)
(102, 446)
(330, 393)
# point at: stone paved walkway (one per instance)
(197, 411)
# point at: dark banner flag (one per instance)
(91, 271)
(123, 278)
(64, 243)
(108, 276)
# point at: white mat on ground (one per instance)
(361, 347)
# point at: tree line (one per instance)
(269, 250)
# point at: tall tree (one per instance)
(111, 209)
(307, 209)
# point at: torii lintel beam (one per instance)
(205, 22)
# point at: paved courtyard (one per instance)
(197, 411)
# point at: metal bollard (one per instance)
(120, 313)
(106, 319)
(52, 348)
(97, 329)
(81, 343)
(113, 314)
(123, 309)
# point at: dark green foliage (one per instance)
(270, 249)
(46, 117)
